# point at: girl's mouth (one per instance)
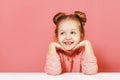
(68, 43)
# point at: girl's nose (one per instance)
(68, 37)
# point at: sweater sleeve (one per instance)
(89, 64)
(53, 64)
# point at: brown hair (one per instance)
(78, 16)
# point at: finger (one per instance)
(59, 46)
(78, 46)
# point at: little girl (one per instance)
(70, 53)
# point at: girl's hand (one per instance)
(87, 45)
(54, 46)
(82, 44)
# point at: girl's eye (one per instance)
(73, 33)
(62, 33)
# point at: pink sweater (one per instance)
(60, 62)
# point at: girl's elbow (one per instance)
(54, 72)
(90, 71)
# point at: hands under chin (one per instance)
(84, 43)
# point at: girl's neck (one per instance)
(70, 52)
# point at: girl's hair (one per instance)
(78, 16)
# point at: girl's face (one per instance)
(69, 34)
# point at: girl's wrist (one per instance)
(52, 48)
(88, 48)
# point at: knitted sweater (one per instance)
(60, 62)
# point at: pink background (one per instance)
(26, 28)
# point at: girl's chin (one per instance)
(68, 49)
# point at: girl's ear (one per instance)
(82, 36)
(81, 16)
(57, 17)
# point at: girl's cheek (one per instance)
(60, 38)
(76, 38)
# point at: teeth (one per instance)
(68, 43)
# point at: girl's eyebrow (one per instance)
(74, 29)
(61, 30)
(71, 30)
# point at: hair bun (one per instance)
(81, 16)
(57, 17)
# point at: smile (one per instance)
(68, 43)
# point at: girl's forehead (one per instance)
(69, 24)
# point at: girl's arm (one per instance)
(53, 64)
(89, 64)
(89, 61)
